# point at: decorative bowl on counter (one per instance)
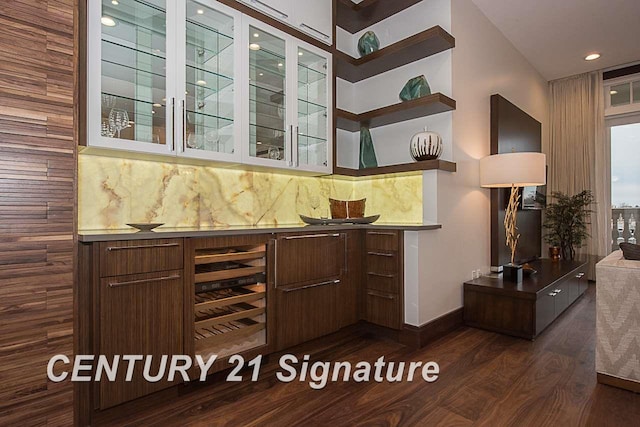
(146, 226)
(341, 209)
(328, 221)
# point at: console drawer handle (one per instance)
(380, 233)
(381, 254)
(159, 245)
(390, 276)
(376, 294)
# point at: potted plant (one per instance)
(566, 222)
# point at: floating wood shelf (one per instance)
(395, 169)
(407, 110)
(411, 49)
(355, 17)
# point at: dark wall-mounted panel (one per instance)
(513, 130)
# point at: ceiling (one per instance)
(556, 35)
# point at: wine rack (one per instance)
(230, 299)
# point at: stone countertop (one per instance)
(89, 236)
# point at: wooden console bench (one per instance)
(525, 309)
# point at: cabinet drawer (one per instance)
(384, 309)
(382, 240)
(384, 283)
(139, 314)
(382, 262)
(140, 256)
(306, 259)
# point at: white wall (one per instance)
(483, 63)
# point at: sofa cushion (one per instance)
(630, 251)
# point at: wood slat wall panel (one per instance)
(37, 206)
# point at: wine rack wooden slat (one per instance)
(231, 256)
(234, 273)
(243, 314)
(209, 338)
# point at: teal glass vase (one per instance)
(368, 43)
(367, 151)
(415, 88)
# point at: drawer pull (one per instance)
(390, 276)
(376, 294)
(557, 291)
(159, 245)
(311, 236)
(315, 285)
(381, 233)
(381, 254)
(553, 294)
(271, 8)
(141, 281)
(579, 275)
(309, 27)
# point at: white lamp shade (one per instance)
(517, 169)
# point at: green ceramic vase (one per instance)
(368, 43)
(367, 151)
(415, 88)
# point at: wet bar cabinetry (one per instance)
(197, 79)
(247, 294)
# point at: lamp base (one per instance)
(512, 273)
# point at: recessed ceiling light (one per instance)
(261, 74)
(153, 111)
(254, 46)
(258, 143)
(300, 54)
(200, 12)
(592, 56)
(201, 83)
(115, 2)
(279, 64)
(157, 105)
(164, 99)
(614, 92)
(256, 35)
(107, 21)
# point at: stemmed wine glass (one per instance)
(119, 119)
(107, 129)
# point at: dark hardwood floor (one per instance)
(486, 379)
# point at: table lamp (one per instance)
(513, 170)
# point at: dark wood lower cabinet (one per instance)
(140, 314)
(305, 313)
(245, 294)
(527, 308)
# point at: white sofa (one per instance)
(618, 322)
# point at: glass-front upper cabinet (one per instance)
(129, 75)
(313, 126)
(287, 103)
(211, 101)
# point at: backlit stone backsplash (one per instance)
(116, 191)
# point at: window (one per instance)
(622, 95)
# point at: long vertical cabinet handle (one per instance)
(173, 124)
(294, 148)
(290, 162)
(184, 125)
(275, 263)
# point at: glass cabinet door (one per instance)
(312, 133)
(209, 106)
(128, 81)
(267, 98)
